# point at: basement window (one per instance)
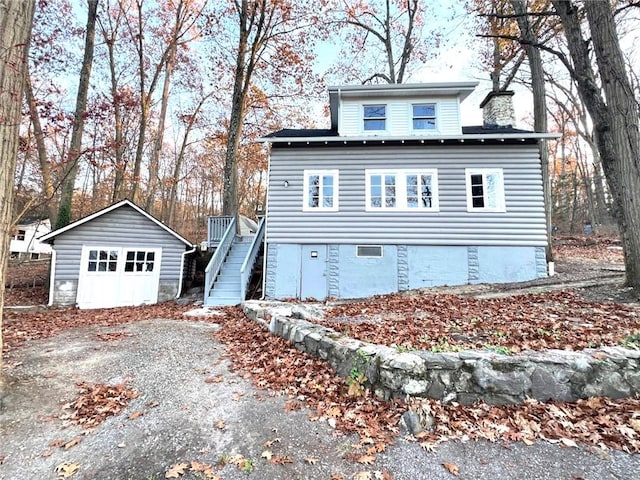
(369, 251)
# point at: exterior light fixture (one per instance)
(286, 184)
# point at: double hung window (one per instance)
(402, 190)
(375, 117)
(424, 116)
(320, 190)
(485, 190)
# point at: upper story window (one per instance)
(424, 116)
(20, 235)
(485, 190)
(406, 190)
(320, 190)
(375, 117)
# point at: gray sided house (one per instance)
(118, 256)
(398, 195)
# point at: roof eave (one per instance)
(364, 139)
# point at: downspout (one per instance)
(184, 254)
(52, 276)
(339, 111)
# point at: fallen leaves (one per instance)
(307, 381)
(97, 402)
(452, 468)
(67, 469)
(445, 322)
(204, 470)
(22, 326)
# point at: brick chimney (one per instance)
(497, 110)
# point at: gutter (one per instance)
(184, 254)
(441, 139)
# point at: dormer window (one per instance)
(375, 117)
(424, 116)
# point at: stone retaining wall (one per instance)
(463, 377)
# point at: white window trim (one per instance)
(305, 191)
(436, 116)
(84, 259)
(362, 117)
(484, 172)
(401, 189)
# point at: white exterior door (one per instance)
(118, 276)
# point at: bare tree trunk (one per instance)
(16, 19)
(615, 120)
(539, 107)
(45, 169)
(154, 161)
(73, 157)
(120, 165)
(180, 160)
(243, 70)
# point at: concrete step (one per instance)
(213, 302)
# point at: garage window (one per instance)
(140, 261)
(102, 260)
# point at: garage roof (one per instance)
(51, 235)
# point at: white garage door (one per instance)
(118, 276)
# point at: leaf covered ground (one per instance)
(549, 320)
(274, 364)
(443, 322)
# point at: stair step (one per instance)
(212, 302)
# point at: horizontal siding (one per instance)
(400, 116)
(522, 224)
(122, 227)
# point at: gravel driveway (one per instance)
(167, 362)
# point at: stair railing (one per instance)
(216, 228)
(214, 265)
(249, 261)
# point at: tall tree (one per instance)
(529, 40)
(614, 112)
(16, 19)
(387, 33)
(75, 148)
(273, 37)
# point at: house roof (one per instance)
(51, 235)
(478, 133)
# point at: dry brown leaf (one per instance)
(221, 425)
(176, 470)
(67, 469)
(58, 442)
(363, 475)
(367, 459)
(311, 460)
(216, 379)
(282, 460)
(205, 469)
(266, 454)
(72, 443)
(136, 414)
(452, 468)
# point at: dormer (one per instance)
(398, 110)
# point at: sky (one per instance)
(454, 61)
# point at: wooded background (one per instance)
(162, 101)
